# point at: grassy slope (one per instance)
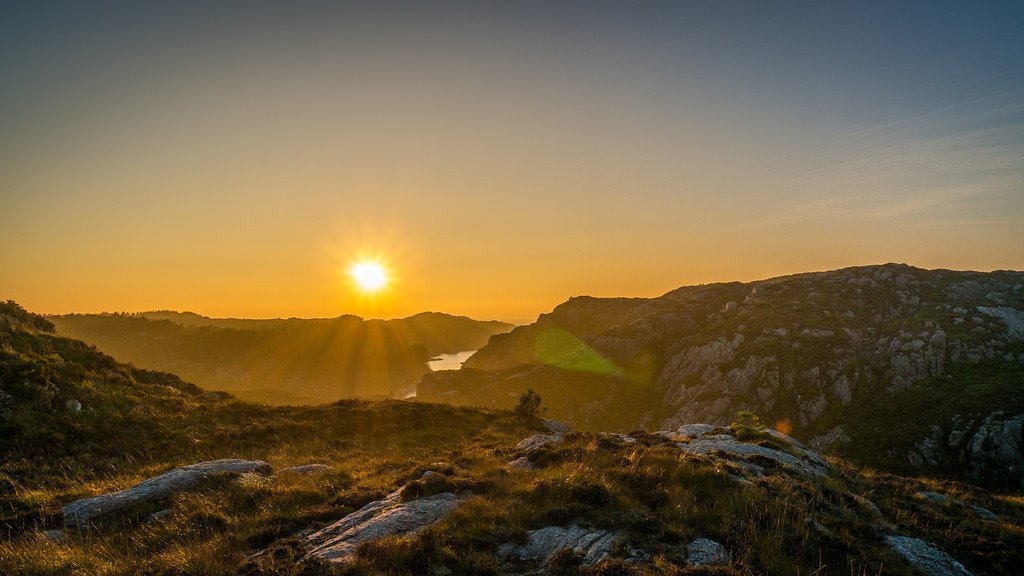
(661, 500)
(135, 424)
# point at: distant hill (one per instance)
(891, 365)
(62, 398)
(284, 361)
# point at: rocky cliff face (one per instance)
(890, 364)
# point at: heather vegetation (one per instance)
(80, 424)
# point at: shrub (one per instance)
(529, 404)
(747, 426)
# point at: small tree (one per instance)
(747, 426)
(529, 404)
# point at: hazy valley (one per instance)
(289, 361)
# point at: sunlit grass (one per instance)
(659, 499)
(372, 447)
(137, 425)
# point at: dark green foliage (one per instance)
(529, 404)
(970, 392)
(747, 426)
(12, 315)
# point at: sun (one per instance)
(369, 276)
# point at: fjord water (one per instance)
(449, 361)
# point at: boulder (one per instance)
(158, 516)
(932, 497)
(53, 536)
(797, 459)
(307, 469)
(538, 442)
(81, 512)
(521, 463)
(389, 516)
(706, 552)
(695, 429)
(868, 505)
(986, 514)
(542, 544)
(924, 557)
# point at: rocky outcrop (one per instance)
(834, 437)
(997, 449)
(989, 449)
(521, 463)
(986, 514)
(932, 497)
(925, 558)
(746, 459)
(786, 454)
(306, 469)
(1012, 317)
(53, 536)
(390, 516)
(706, 552)
(533, 444)
(825, 355)
(158, 516)
(81, 512)
(542, 544)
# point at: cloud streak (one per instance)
(952, 164)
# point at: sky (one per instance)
(235, 159)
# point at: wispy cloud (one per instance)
(952, 164)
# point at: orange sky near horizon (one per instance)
(499, 159)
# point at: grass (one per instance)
(661, 500)
(658, 498)
(136, 424)
(373, 447)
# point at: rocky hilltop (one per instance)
(892, 365)
(108, 469)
